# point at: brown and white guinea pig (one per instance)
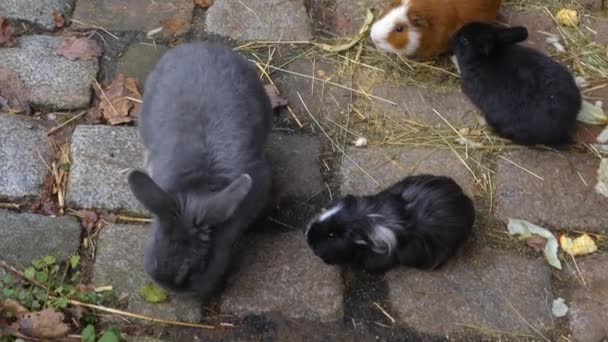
(419, 222)
(425, 28)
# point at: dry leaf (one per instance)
(559, 307)
(79, 48)
(527, 229)
(88, 220)
(15, 308)
(567, 17)
(536, 242)
(14, 96)
(6, 33)
(43, 324)
(602, 178)
(120, 101)
(204, 3)
(175, 26)
(58, 19)
(275, 97)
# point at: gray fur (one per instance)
(204, 124)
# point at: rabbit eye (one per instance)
(464, 41)
(399, 28)
(332, 235)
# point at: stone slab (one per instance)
(139, 60)
(417, 104)
(22, 145)
(119, 262)
(25, 237)
(600, 28)
(295, 165)
(589, 303)
(279, 273)
(35, 11)
(259, 20)
(54, 81)
(101, 157)
(388, 165)
(565, 199)
(487, 289)
(350, 15)
(133, 15)
(536, 21)
(321, 99)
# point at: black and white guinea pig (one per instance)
(419, 222)
(525, 95)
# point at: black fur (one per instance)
(430, 217)
(204, 124)
(526, 96)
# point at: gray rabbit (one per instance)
(204, 124)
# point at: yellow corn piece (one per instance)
(582, 245)
(567, 17)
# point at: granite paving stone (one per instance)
(564, 199)
(35, 11)
(139, 60)
(54, 81)
(350, 14)
(23, 152)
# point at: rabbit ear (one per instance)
(225, 203)
(155, 199)
(511, 35)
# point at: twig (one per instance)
(521, 167)
(141, 317)
(578, 270)
(5, 265)
(67, 122)
(133, 219)
(96, 27)
(524, 319)
(15, 206)
(103, 93)
(384, 313)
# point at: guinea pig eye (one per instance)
(332, 235)
(399, 28)
(464, 41)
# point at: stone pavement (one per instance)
(486, 292)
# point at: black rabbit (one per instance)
(526, 96)
(204, 124)
(419, 222)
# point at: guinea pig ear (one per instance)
(149, 194)
(511, 35)
(419, 21)
(224, 204)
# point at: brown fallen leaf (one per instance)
(203, 3)
(14, 97)
(6, 33)
(175, 26)
(536, 242)
(275, 97)
(88, 220)
(14, 308)
(79, 48)
(58, 19)
(120, 100)
(43, 324)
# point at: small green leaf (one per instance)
(109, 336)
(74, 260)
(29, 273)
(60, 303)
(36, 305)
(88, 334)
(8, 280)
(42, 277)
(38, 264)
(153, 293)
(49, 260)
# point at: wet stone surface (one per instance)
(259, 20)
(22, 145)
(54, 81)
(139, 60)
(538, 24)
(419, 105)
(35, 11)
(564, 199)
(120, 262)
(279, 273)
(589, 302)
(486, 289)
(101, 158)
(134, 15)
(386, 166)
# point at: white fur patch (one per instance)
(382, 29)
(383, 238)
(455, 62)
(331, 212)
